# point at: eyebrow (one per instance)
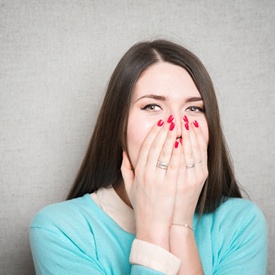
(163, 98)
(157, 97)
(193, 99)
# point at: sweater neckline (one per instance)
(109, 201)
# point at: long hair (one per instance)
(101, 164)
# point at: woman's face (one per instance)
(162, 90)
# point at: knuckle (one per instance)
(173, 165)
(156, 145)
(146, 145)
(164, 154)
(188, 155)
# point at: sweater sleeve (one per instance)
(154, 257)
(246, 252)
(55, 254)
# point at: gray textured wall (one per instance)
(55, 59)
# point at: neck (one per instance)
(121, 191)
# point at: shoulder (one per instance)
(60, 214)
(235, 217)
(239, 209)
(62, 237)
(240, 220)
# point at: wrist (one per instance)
(180, 234)
(184, 225)
(155, 235)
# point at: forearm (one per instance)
(183, 245)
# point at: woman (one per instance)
(156, 192)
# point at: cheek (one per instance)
(136, 134)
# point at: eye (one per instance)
(151, 107)
(195, 109)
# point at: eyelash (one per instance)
(150, 107)
(195, 109)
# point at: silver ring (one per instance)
(161, 165)
(190, 166)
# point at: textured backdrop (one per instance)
(56, 57)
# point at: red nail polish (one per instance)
(196, 124)
(170, 119)
(176, 144)
(160, 122)
(180, 139)
(185, 119)
(186, 126)
(172, 126)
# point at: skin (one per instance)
(162, 197)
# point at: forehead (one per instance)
(165, 79)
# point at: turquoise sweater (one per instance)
(78, 237)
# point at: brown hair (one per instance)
(101, 164)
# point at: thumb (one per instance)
(127, 172)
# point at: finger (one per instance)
(197, 154)
(162, 148)
(146, 146)
(182, 172)
(187, 146)
(175, 163)
(201, 144)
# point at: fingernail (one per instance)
(185, 119)
(170, 118)
(172, 126)
(196, 124)
(160, 122)
(180, 139)
(186, 126)
(176, 144)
